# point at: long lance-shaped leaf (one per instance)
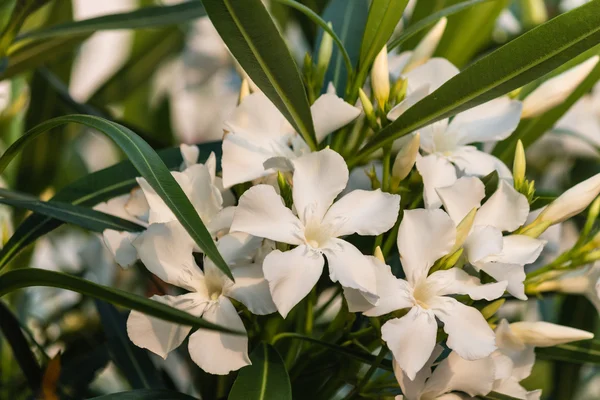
(430, 20)
(89, 191)
(526, 58)
(150, 166)
(28, 277)
(253, 39)
(148, 17)
(77, 215)
(145, 394)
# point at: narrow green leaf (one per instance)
(27, 277)
(89, 191)
(145, 394)
(147, 17)
(586, 352)
(150, 166)
(521, 61)
(498, 396)
(253, 39)
(265, 379)
(384, 16)
(86, 218)
(430, 20)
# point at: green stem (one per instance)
(356, 391)
(387, 155)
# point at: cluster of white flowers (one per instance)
(293, 212)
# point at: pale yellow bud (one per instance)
(244, 90)
(534, 12)
(325, 51)
(571, 202)
(379, 254)
(380, 78)
(406, 157)
(545, 334)
(464, 228)
(425, 49)
(368, 108)
(519, 165)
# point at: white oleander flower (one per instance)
(209, 296)
(424, 237)
(318, 179)
(453, 374)
(257, 132)
(501, 257)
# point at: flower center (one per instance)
(422, 294)
(315, 235)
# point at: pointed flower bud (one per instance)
(534, 12)
(571, 202)
(380, 78)
(379, 254)
(545, 334)
(325, 51)
(405, 159)
(491, 309)
(464, 228)
(519, 165)
(368, 109)
(425, 49)
(244, 90)
(555, 90)
(398, 91)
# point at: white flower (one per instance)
(501, 257)
(424, 237)
(453, 374)
(556, 90)
(209, 293)
(426, 47)
(317, 181)
(257, 132)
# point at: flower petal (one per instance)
(243, 159)
(483, 241)
(318, 179)
(506, 209)
(437, 172)
(488, 122)
(413, 389)
(120, 244)
(468, 332)
(411, 339)
(251, 289)
(261, 213)
(330, 113)
(457, 374)
(160, 336)
(461, 197)
(292, 275)
(474, 162)
(457, 281)
(513, 274)
(424, 236)
(433, 73)
(189, 153)
(216, 352)
(363, 212)
(518, 249)
(166, 251)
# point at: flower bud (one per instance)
(534, 12)
(571, 202)
(368, 109)
(555, 90)
(244, 90)
(405, 159)
(380, 78)
(398, 91)
(325, 51)
(425, 49)
(463, 229)
(379, 254)
(519, 165)
(545, 334)
(491, 309)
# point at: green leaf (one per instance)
(89, 191)
(430, 20)
(265, 379)
(585, 352)
(521, 61)
(147, 17)
(77, 215)
(498, 396)
(530, 130)
(145, 394)
(252, 37)
(27, 277)
(150, 166)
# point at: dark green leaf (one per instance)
(89, 191)
(145, 394)
(521, 61)
(253, 39)
(150, 166)
(27, 277)
(498, 396)
(147, 17)
(265, 379)
(79, 367)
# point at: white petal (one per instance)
(351, 268)
(157, 335)
(513, 274)
(461, 197)
(363, 212)
(216, 352)
(483, 241)
(251, 289)
(573, 201)
(166, 250)
(457, 281)
(204, 196)
(189, 153)
(159, 211)
(519, 249)
(468, 332)
(414, 388)
(330, 113)
(457, 374)
(394, 294)
(137, 205)
(522, 357)
(506, 209)
(238, 247)
(478, 163)
(511, 387)
(243, 160)
(488, 122)
(410, 100)
(545, 334)
(222, 221)
(433, 73)
(292, 275)
(424, 236)
(437, 172)
(261, 213)
(120, 244)
(318, 178)
(411, 339)
(436, 138)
